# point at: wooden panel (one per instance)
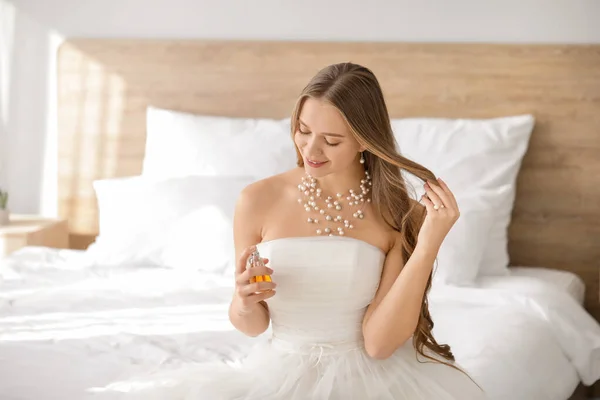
(55, 235)
(106, 85)
(31, 230)
(80, 242)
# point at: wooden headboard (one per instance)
(105, 85)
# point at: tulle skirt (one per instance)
(279, 370)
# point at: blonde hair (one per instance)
(356, 93)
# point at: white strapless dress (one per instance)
(316, 351)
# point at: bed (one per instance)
(531, 333)
(67, 327)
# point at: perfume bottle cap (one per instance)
(254, 258)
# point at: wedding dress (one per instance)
(316, 351)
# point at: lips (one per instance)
(315, 164)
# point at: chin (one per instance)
(315, 173)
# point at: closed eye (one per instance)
(302, 132)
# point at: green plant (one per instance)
(3, 199)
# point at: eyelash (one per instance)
(326, 142)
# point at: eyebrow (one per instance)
(324, 133)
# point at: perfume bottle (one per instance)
(256, 261)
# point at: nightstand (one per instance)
(31, 230)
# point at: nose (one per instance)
(312, 148)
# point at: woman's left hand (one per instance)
(442, 213)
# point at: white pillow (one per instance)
(479, 160)
(181, 144)
(183, 222)
(203, 239)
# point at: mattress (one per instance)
(532, 279)
(65, 328)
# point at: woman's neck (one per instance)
(341, 182)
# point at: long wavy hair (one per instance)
(355, 92)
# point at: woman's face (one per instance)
(324, 139)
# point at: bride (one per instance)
(348, 258)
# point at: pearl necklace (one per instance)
(311, 192)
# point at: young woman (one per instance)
(350, 257)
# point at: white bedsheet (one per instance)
(64, 329)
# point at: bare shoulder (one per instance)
(254, 205)
(392, 237)
(261, 196)
(265, 191)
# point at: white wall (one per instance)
(27, 129)
(420, 20)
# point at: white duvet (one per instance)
(64, 328)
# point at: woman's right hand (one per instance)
(248, 294)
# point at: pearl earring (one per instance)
(362, 158)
